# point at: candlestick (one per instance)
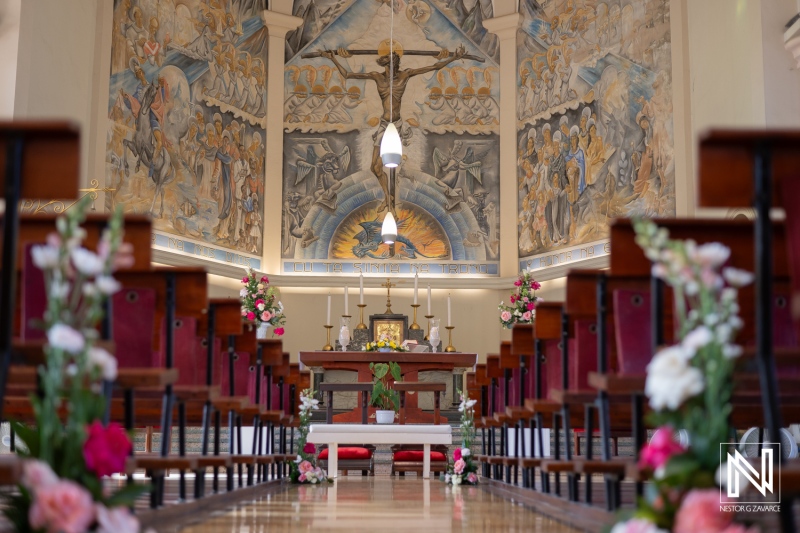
(361, 289)
(361, 324)
(427, 335)
(429, 299)
(328, 319)
(328, 347)
(449, 321)
(414, 325)
(450, 347)
(346, 290)
(416, 287)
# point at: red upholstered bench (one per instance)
(408, 458)
(353, 456)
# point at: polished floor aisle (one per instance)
(381, 504)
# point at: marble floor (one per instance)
(379, 503)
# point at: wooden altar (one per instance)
(411, 364)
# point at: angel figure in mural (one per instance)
(321, 173)
(394, 84)
(457, 176)
(295, 209)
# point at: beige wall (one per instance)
(729, 69)
(9, 44)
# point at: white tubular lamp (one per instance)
(391, 147)
(389, 229)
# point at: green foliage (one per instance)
(383, 397)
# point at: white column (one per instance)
(505, 28)
(278, 25)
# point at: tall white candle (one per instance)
(429, 300)
(328, 322)
(448, 311)
(416, 287)
(345, 300)
(361, 289)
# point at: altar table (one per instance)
(411, 364)
(333, 434)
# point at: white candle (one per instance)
(416, 287)
(329, 310)
(429, 300)
(345, 301)
(448, 311)
(361, 289)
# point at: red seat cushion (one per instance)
(348, 453)
(416, 455)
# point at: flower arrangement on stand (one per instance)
(304, 469)
(260, 304)
(523, 302)
(385, 343)
(689, 387)
(464, 470)
(65, 459)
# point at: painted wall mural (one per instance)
(595, 132)
(187, 118)
(445, 105)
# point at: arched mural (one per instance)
(595, 131)
(187, 118)
(337, 105)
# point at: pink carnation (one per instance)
(302, 478)
(106, 448)
(245, 280)
(63, 507)
(459, 466)
(518, 283)
(244, 313)
(264, 279)
(251, 316)
(531, 306)
(505, 316)
(700, 513)
(663, 446)
(279, 331)
(305, 466)
(536, 285)
(472, 477)
(513, 298)
(457, 454)
(37, 474)
(259, 302)
(309, 448)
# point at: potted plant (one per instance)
(384, 399)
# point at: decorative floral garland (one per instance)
(689, 386)
(523, 302)
(61, 488)
(464, 471)
(304, 469)
(260, 303)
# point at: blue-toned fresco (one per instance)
(594, 111)
(337, 105)
(187, 118)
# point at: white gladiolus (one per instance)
(696, 339)
(89, 290)
(45, 256)
(63, 337)
(732, 351)
(107, 285)
(692, 288)
(712, 254)
(737, 277)
(106, 362)
(60, 289)
(86, 262)
(724, 332)
(671, 380)
(465, 452)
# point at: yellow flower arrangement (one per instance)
(384, 342)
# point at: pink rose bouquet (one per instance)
(260, 302)
(523, 302)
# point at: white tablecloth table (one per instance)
(334, 434)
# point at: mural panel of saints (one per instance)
(391, 87)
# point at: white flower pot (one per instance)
(384, 417)
(263, 330)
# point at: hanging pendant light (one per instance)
(389, 229)
(391, 147)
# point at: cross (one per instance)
(389, 286)
(429, 53)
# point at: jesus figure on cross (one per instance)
(391, 106)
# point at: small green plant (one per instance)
(383, 397)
